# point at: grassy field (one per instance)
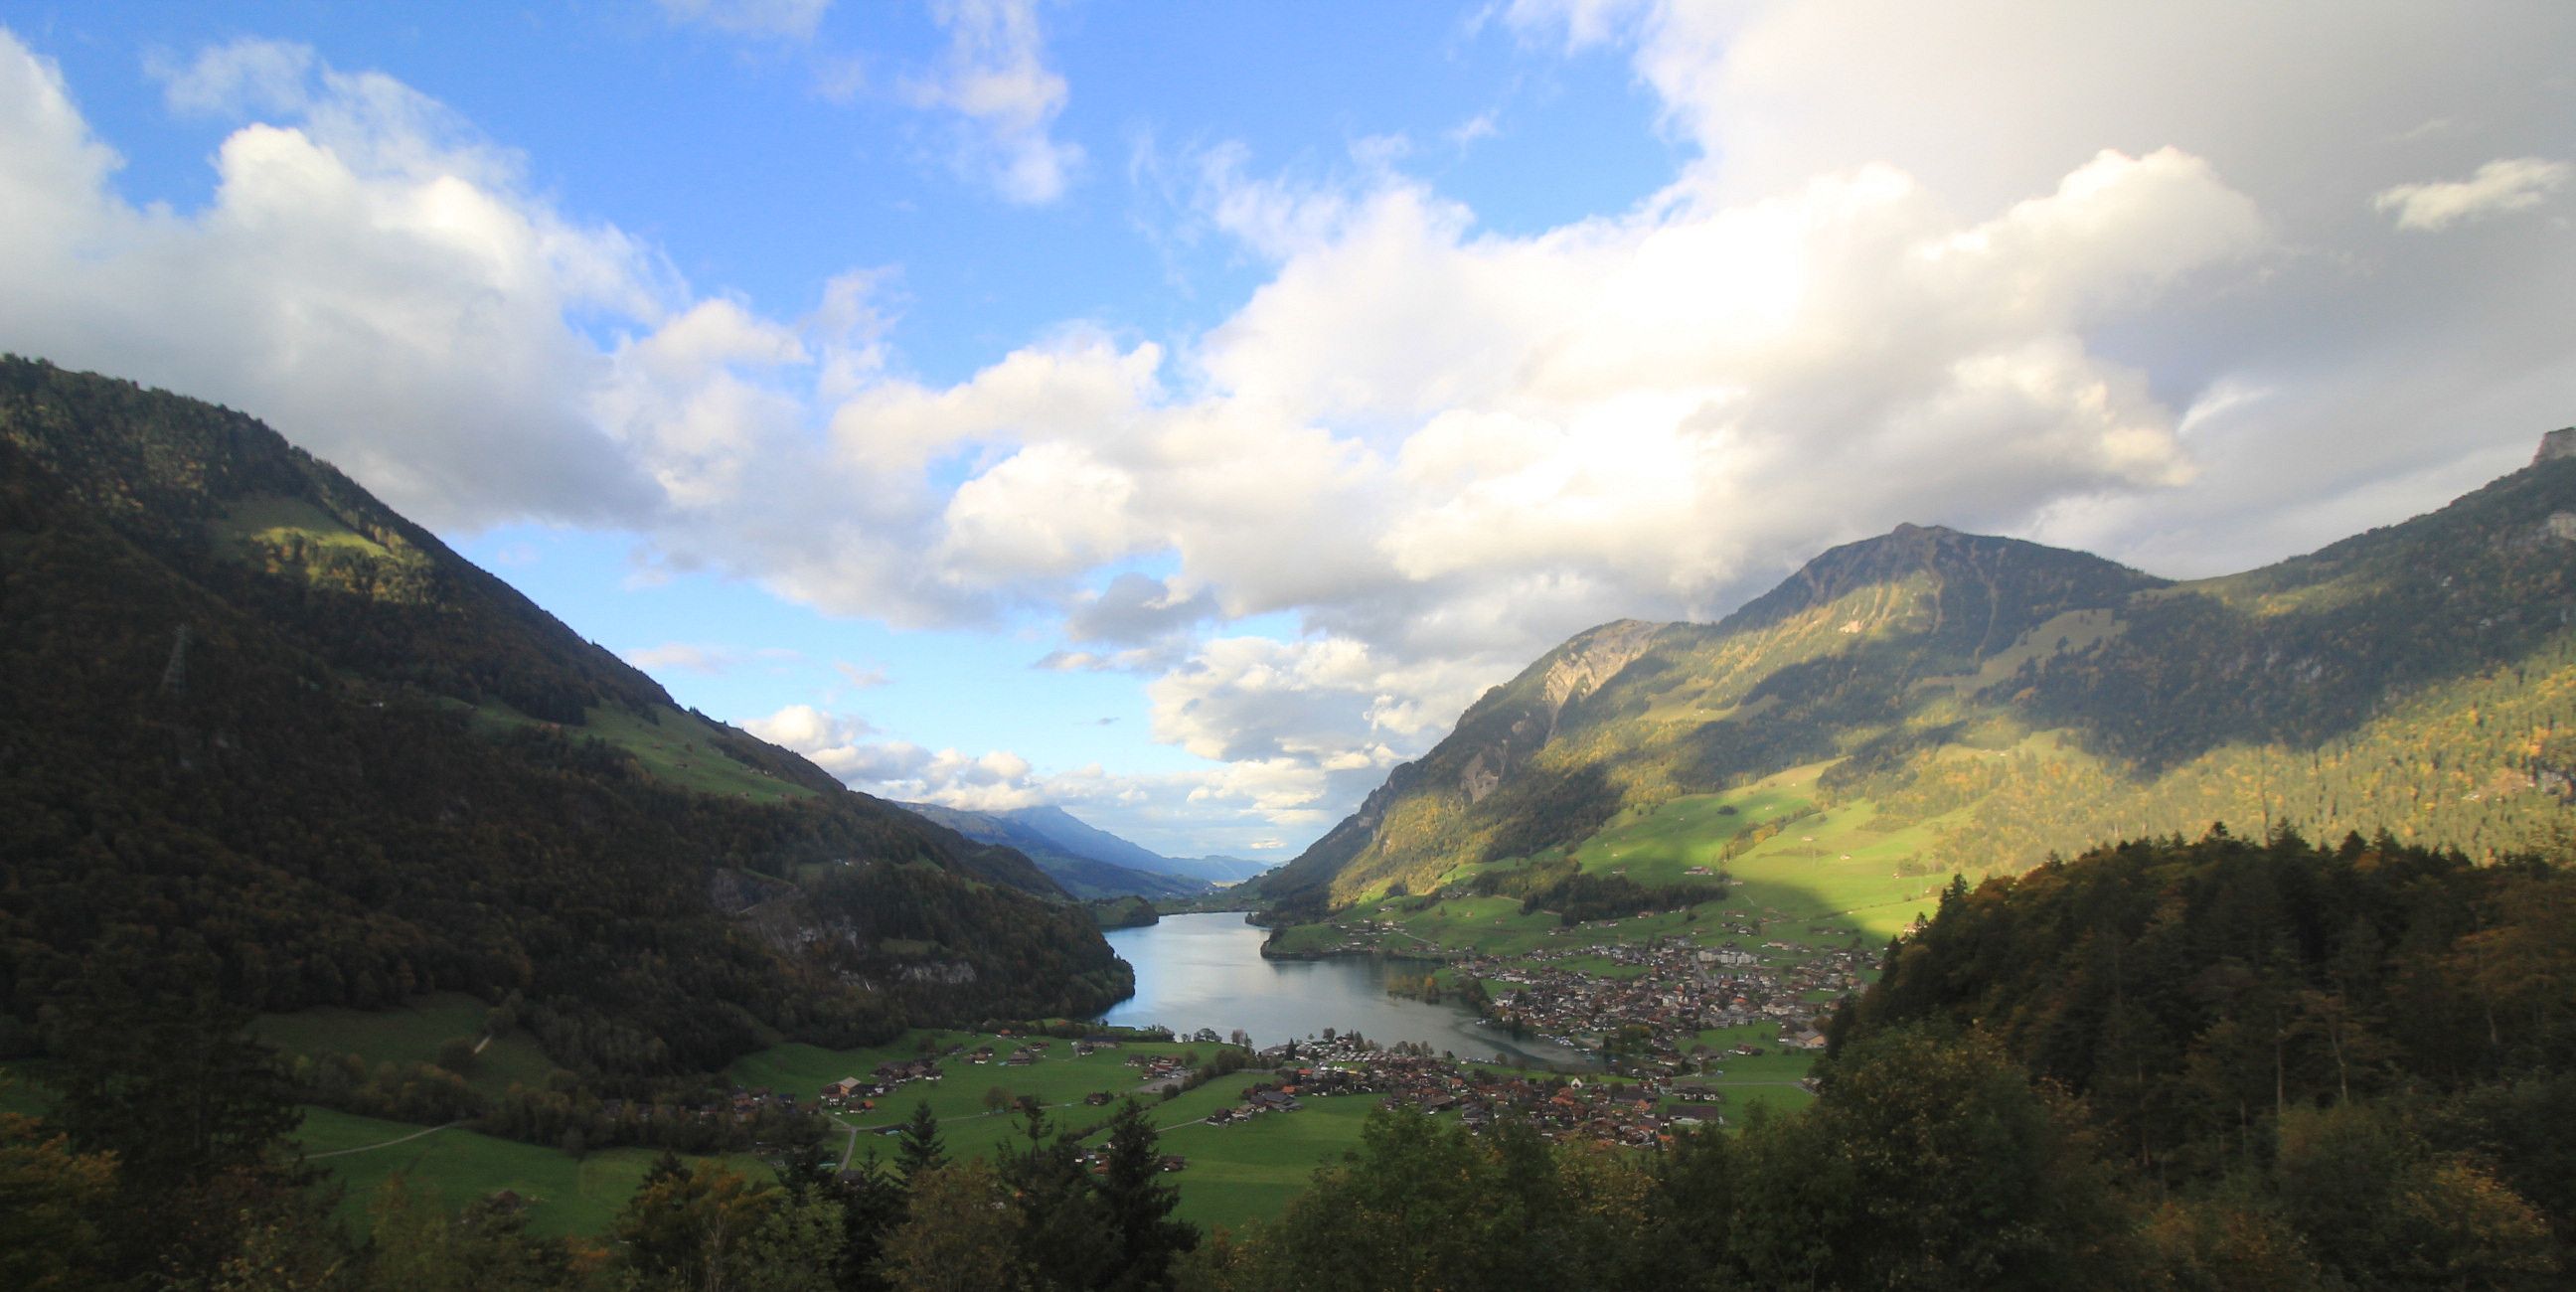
(1249, 1171)
(677, 749)
(1236, 1174)
(566, 1195)
(958, 1099)
(1832, 869)
(409, 1035)
(262, 521)
(1769, 1078)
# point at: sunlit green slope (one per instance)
(1979, 702)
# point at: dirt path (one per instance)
(363, 1148)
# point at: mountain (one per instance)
(1079, 866)
(246, 709)
(1218, 869)
(2001, 700)
(1085, 840)
(1089, 861)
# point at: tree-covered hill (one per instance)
(246, 708)
(2013, 699)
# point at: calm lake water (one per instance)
(1195, 971)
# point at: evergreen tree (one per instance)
(1061, 1227)
(918, 1149)
(872, 1206)
(1139, 1204)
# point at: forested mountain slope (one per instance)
(245, 706)
(2013, 699)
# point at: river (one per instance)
(1195, 971)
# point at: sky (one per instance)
(1180, 413)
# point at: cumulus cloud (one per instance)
(370, 283)
(2147, 314)
(996, 81)
(2499, 187)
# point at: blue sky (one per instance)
(1179, 413)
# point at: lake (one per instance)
(1195, 971)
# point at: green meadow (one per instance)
(565, 1194)
(1250, 1171)
(1835, 868)
(679, 749)
(412, 1034)
(1059, 1081)
(263, 521)
(1767, 1079)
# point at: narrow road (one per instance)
(363, 1148)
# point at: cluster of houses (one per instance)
(1641, 1113)
(1678, 988)
(1158, 1069)
(863, 1092)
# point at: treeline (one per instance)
(2198, 997)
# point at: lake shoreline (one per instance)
(1215, 972)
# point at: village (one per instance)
(1645, 1022)
(1638, 1113)
(1665, 1019)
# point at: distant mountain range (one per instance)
(2005, 700)
(246, 707)
(1088, 861)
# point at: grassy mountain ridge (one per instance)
(2016, 699)
(246, 708)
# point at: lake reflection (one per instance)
(1195, 971)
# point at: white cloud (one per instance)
(861, 677)
(246, 76)
(996, 80)
(788, 19)
(695, 658)
(368, 282)
(1136, 608)
(2146, 314)
(2498, 188)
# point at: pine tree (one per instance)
(919, 1149)
(1140, 1204)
